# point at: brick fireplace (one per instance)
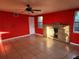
(57, 31)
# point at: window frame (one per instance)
(74, 26)
(40, 22)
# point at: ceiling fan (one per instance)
(30, 9)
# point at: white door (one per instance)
(31, 25)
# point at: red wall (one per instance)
(64, 17)
(15, 25)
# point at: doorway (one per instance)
(31, 25)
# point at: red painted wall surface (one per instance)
(64, 17)
(15, 25)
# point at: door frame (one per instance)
(31, 25)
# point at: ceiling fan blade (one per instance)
(32, 11)
(36, 10)
(29, 9)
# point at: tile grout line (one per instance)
(16, 50)
(5, 51)
(22, 55)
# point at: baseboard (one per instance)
(13, 38)
(74, 44)
(39, 34)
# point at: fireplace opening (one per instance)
(55, 32)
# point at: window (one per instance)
(40, 21)
(76, 22)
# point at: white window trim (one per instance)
(40, 22)
(74, 25)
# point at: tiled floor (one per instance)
(37, 47)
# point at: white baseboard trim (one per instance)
(74, 44)
(13, 38)
(39, 34)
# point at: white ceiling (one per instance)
(18, 6)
